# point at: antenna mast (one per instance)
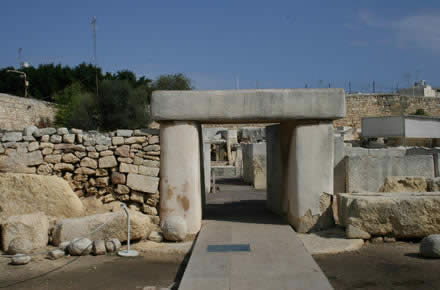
(94, 52)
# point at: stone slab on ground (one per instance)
(277, 259)
(270, 105)
(31, 227)
(115, 227)
(400, 215)
(332, 241)
(28, 193)
(367, 174)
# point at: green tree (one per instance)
(172, 82)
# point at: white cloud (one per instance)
(418, 30)
(421, 31)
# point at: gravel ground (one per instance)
(381, 266)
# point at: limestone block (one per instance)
(137, 197)
(29, 130)
(99, 247)
(56, 139)
(63, 167)
(70, 147)
(67, 229)
(133, 140)
(118, 178)
(32, 227)
(44, 131)
(69, 138)
(153, 140)
(123, 151)
(80, 247)
(367, 174)
(105, 153)
(20, 259)
(124, 133)
(26, 193)
(102, 182)
(151, 148)
(151, 163)
(56, 254)
(94, 155)
(70, 158)
(33, 146)
(103, 140)
(88, 162)
(128, 168)
(117, 140)
(85, 171)
(101, 172)
(122, 189)
(309, 175)
(62, 131)
(404, 184)
(400, 215)
(149, 171)
(12, 137)
(53, 158)
(100, 148)
(142, 183)
(45, 169)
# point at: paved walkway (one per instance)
(277, 258)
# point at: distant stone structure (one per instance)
(16, 112)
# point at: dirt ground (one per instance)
(381, 266)
(159, 265)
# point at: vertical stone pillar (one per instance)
(309, 175)
(180, 183)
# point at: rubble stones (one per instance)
(80, 247)
(56, 254)
(99, 247)
(20, 259)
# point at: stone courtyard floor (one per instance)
(381, 266)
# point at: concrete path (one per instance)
(277, 258)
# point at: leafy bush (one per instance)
(420, 112)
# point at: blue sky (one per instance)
(269, 44)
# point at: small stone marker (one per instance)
(20, 259)
(99, 247)
(55, 254)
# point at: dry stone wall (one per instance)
(360, 106)
(121, 165)
(16, 113)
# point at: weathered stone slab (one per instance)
(367, 174)
(68, 229)
(248, 105)
(142, 183)
(28, 193)
(401, 215)
(404, 184)
(32, 227)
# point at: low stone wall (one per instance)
(360, 106)
(16, 113)
(121, 165)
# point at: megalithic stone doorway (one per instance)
(305, 142)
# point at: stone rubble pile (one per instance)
(121, 165)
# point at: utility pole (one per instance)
(374, 86)
(94, 52)
(237, 82)
(349, 87)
